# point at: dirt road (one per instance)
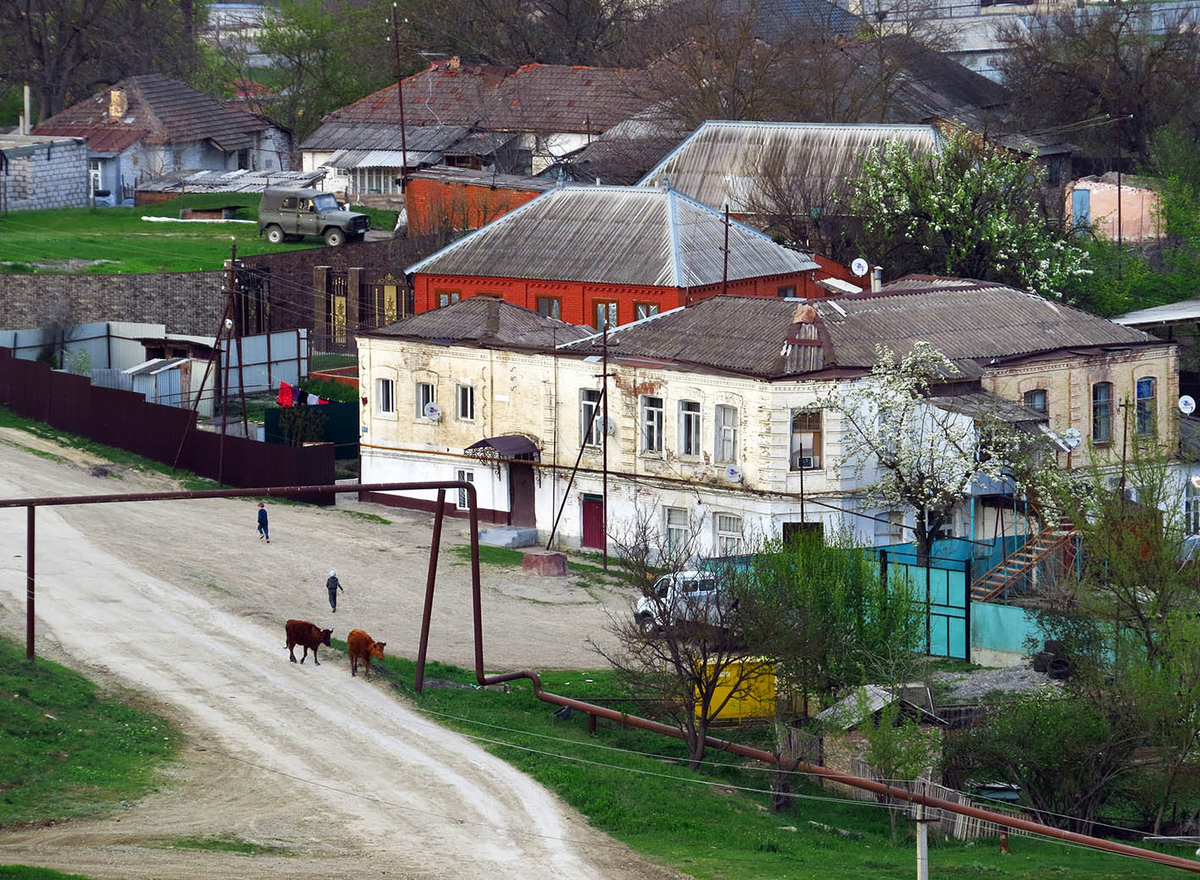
(182, 603)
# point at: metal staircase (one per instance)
(1020, 572)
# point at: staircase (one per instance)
(1023, 564)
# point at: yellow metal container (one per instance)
(754, 683)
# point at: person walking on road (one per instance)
(333, 585)
(263, 534)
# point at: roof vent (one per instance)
(804, 314)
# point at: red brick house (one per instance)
(446, 200)
(581, 253)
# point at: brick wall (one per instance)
(186, 302)
(55, 177)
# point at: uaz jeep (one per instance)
(291, 214)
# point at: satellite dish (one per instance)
(608, 426)
(733, 473)
(1187, 404)
(1071, 438)
(432, 411)
(860, 267)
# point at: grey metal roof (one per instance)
(380, 159)
(723, 160)
(614, 235)
(351, 135)
(487, 321)
(985, 404)
(856, 708)
(971, 322)
(229, 181)
(1173, 313)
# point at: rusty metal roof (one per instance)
(723, 161)
(472, 177)
(159, 110)
(486, 321)
(614, 235)
(972, 323)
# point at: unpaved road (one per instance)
(179, 601)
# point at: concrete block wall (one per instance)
(186, 302)
(56, 177)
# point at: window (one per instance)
(679, 532)
(447, 297)
(729, 534)
(463, 477)
(788, 291)
(94, 175)
(652, 424)
(726, 433)
(288, 203)
(1146, 392)
(385, 396)
(806, 440)
(425, 396)
(889, 528)
(1036, 399)
(1102, 412)
(1191, 507)
(689, 427)
(644, 310)
(604, 312)
(590, 419)
(550, 306)
(466, 403)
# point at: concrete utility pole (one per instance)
(395, 39)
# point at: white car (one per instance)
(682, 596)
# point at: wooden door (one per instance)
(520, 491)
(593, 521)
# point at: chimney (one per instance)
(876, 279)
(118, 106)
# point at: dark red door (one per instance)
(593, 521)
(520, 488)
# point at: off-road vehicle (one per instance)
(291, 214)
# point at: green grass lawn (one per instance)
(115, 240)
(65, 748)
(25, 872)
(636, 787)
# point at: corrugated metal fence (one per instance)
(124, 419)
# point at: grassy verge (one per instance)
(26, 872)
(717, 824)
(116, 240)
(65, 748)
(505, 558)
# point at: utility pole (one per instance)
(395, 39)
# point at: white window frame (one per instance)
(588, 405)
(677, 533)
(689, 428)
(652, 424)
(725, 431)
(95, 175)
(816, 436)
(385, 397)
(465, 394)
(729, 541)
(889, 528)
(463, 476)
(423, 398)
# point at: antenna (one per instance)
(860, 267)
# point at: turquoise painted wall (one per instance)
(1002, 627)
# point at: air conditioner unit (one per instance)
(809, 462)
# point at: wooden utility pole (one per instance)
(395, 38)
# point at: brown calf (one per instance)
(301, 632)
(363, 647)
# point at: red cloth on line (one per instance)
(320, 400)
(285, 394)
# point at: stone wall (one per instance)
(186, 302)
(52, 177)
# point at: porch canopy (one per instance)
(514, 447)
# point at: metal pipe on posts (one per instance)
(1007, 822)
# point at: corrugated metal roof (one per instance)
(473, 177)
(1187, 310)
(986, 404)
(488, 321)
(723, 161)
(353, 135)
(614, 235)
(379, 159)
(971, 323)
(231, 181)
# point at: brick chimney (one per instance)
(118, 105)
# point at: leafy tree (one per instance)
(897, 748)
(971, 210)
(1076, 72)
(821, 612)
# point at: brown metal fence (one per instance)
(125, 419)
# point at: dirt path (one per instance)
(181, 602)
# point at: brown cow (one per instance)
(301, 632)
(363, 647)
